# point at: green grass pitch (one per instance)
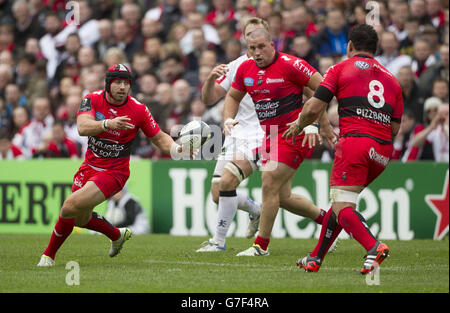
(162, 263)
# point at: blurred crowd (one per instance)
(51, 55)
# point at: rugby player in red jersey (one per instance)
(370, 109)
(111, 119)
(275, 81)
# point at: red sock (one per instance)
(100, 224)
(319, 219)
(328, 234)
(356, 226)
(262, 242)
(62, 230)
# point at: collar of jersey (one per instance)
(361, 55)
(114, 105)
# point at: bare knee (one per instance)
(69, 208)
(228, 181)
(215, 193)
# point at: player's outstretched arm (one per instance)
(168, 146)
(312, 111)
(230, 108)
(88, 126)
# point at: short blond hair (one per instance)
(255, 21)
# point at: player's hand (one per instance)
(185, 151)
(330, 135)
(293, 131)
(120, 122)
(228, 126)
(218, 71)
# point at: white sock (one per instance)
(248, 205)
(228, 204)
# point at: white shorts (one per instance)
(232, 145)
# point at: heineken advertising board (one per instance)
(33, 191)
(407, 201)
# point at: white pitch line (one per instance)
(280, 267)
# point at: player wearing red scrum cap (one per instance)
(111, 119)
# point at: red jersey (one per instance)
(277, 89)
(111, 149)
(368, 95)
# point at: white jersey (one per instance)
(248, 126)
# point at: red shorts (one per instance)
(358, 161)
(284, 151)
(108, 181)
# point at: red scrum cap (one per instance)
(117, 71)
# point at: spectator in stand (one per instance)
(279, 37)
(153, 48)
(21, 117)
(303, 24)
(113, 56)
(302, 48)
(105, 38)
(162, 106)
(182, 96)
(418, 11)
(333, 39)
(8, 151)
(436, 13)
(439, 69)
(150, 28)
(71, 107)
(233, 50)
(390, 58)
(399, 16)
(146, 89)
(25, 26)
(167, 13)
(131, 13)
(86, 56)
(29, 81)
(60, 146)
(13, 98)
(264, 9)
(403, 150)
(140, 64)
(30, 139)
(423, 56)
(439, 89)
(5, 118)
(124, 40)
(412, 27)
(171, 69)
(413, 94)
(221, 13)
(52, 42)
(438, 134)
(7, 38)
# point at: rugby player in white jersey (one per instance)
(239, 157)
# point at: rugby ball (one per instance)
(194, 134)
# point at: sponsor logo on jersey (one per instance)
(362, 65)
(99, 116)
(248, 81)
(274, 80)
(261, 72)
(85, 105)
